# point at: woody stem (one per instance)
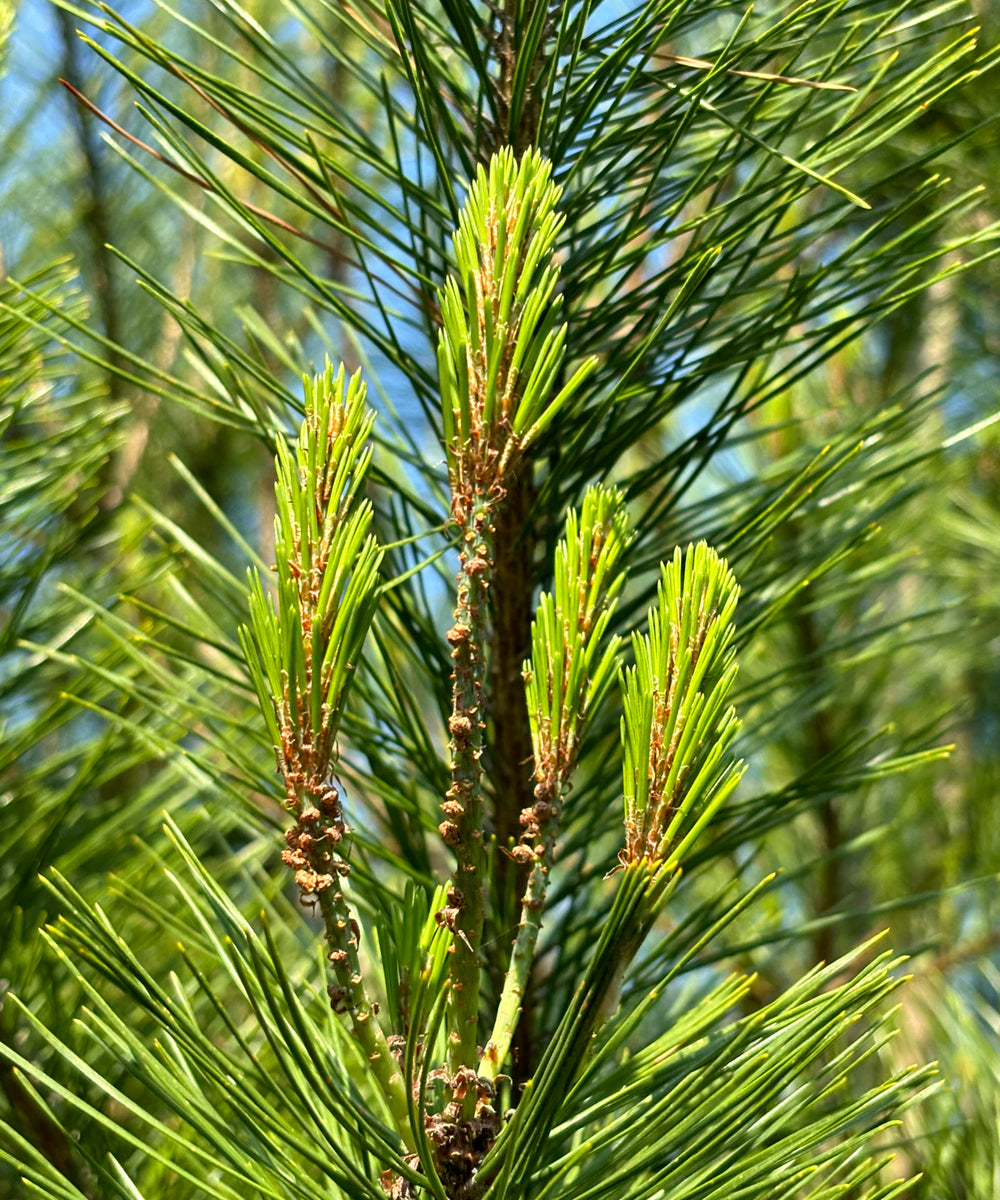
(463, 809)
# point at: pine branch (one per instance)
(302, 651)
(702, 268)
(569, 672)
(499, 355)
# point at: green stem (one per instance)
(350, 996)
(516, 979)
(521, 958)
(641, 891)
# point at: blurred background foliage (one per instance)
(134, 492)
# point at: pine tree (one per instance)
(560, 644)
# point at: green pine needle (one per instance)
(501, 348)
(675, 726)
(572, 665)
(303, 646)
